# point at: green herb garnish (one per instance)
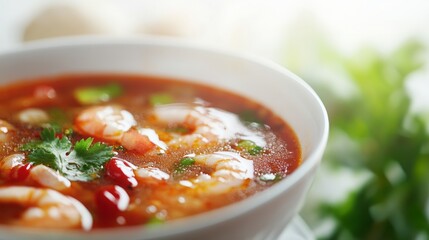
(80, 162)
(186, 161)
(160, 98)
(98, 94)
(250, 147)
(154, 221)
(249, 116)
(184, 164)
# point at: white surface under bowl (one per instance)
(262, 216)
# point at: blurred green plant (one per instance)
(388, 141)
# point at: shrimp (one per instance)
(46, 208)
(151, 173)
(114, 124)
(41, 174)
(47, 177)
(9, 162)
(203, 124)
(127, 174)
(5, 131)
(230, 171)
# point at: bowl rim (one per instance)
(215, 216)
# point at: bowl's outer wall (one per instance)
(260, 217)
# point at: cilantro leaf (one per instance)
(94, 155)
(48, 134)
(80, 162)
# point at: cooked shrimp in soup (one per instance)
(109, 151)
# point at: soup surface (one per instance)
(97, 151)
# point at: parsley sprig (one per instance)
(81, 162)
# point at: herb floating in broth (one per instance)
(250, 147)
(81, 162)
(184, 163)
(143, 150)
(249, 116)
(160, 98)
(94, 95)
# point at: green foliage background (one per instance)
(373, 131)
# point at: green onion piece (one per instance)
(98, 94)
(184, 163)
(250, 147)
(160, 98)
(155, 221)
(249, 116)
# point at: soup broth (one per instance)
(119, 150)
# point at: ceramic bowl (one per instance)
(262, 216)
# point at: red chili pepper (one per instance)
(20, 172)
(111, 200)
(122, 172)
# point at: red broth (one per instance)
(156, 150)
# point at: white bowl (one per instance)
(262, 216)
